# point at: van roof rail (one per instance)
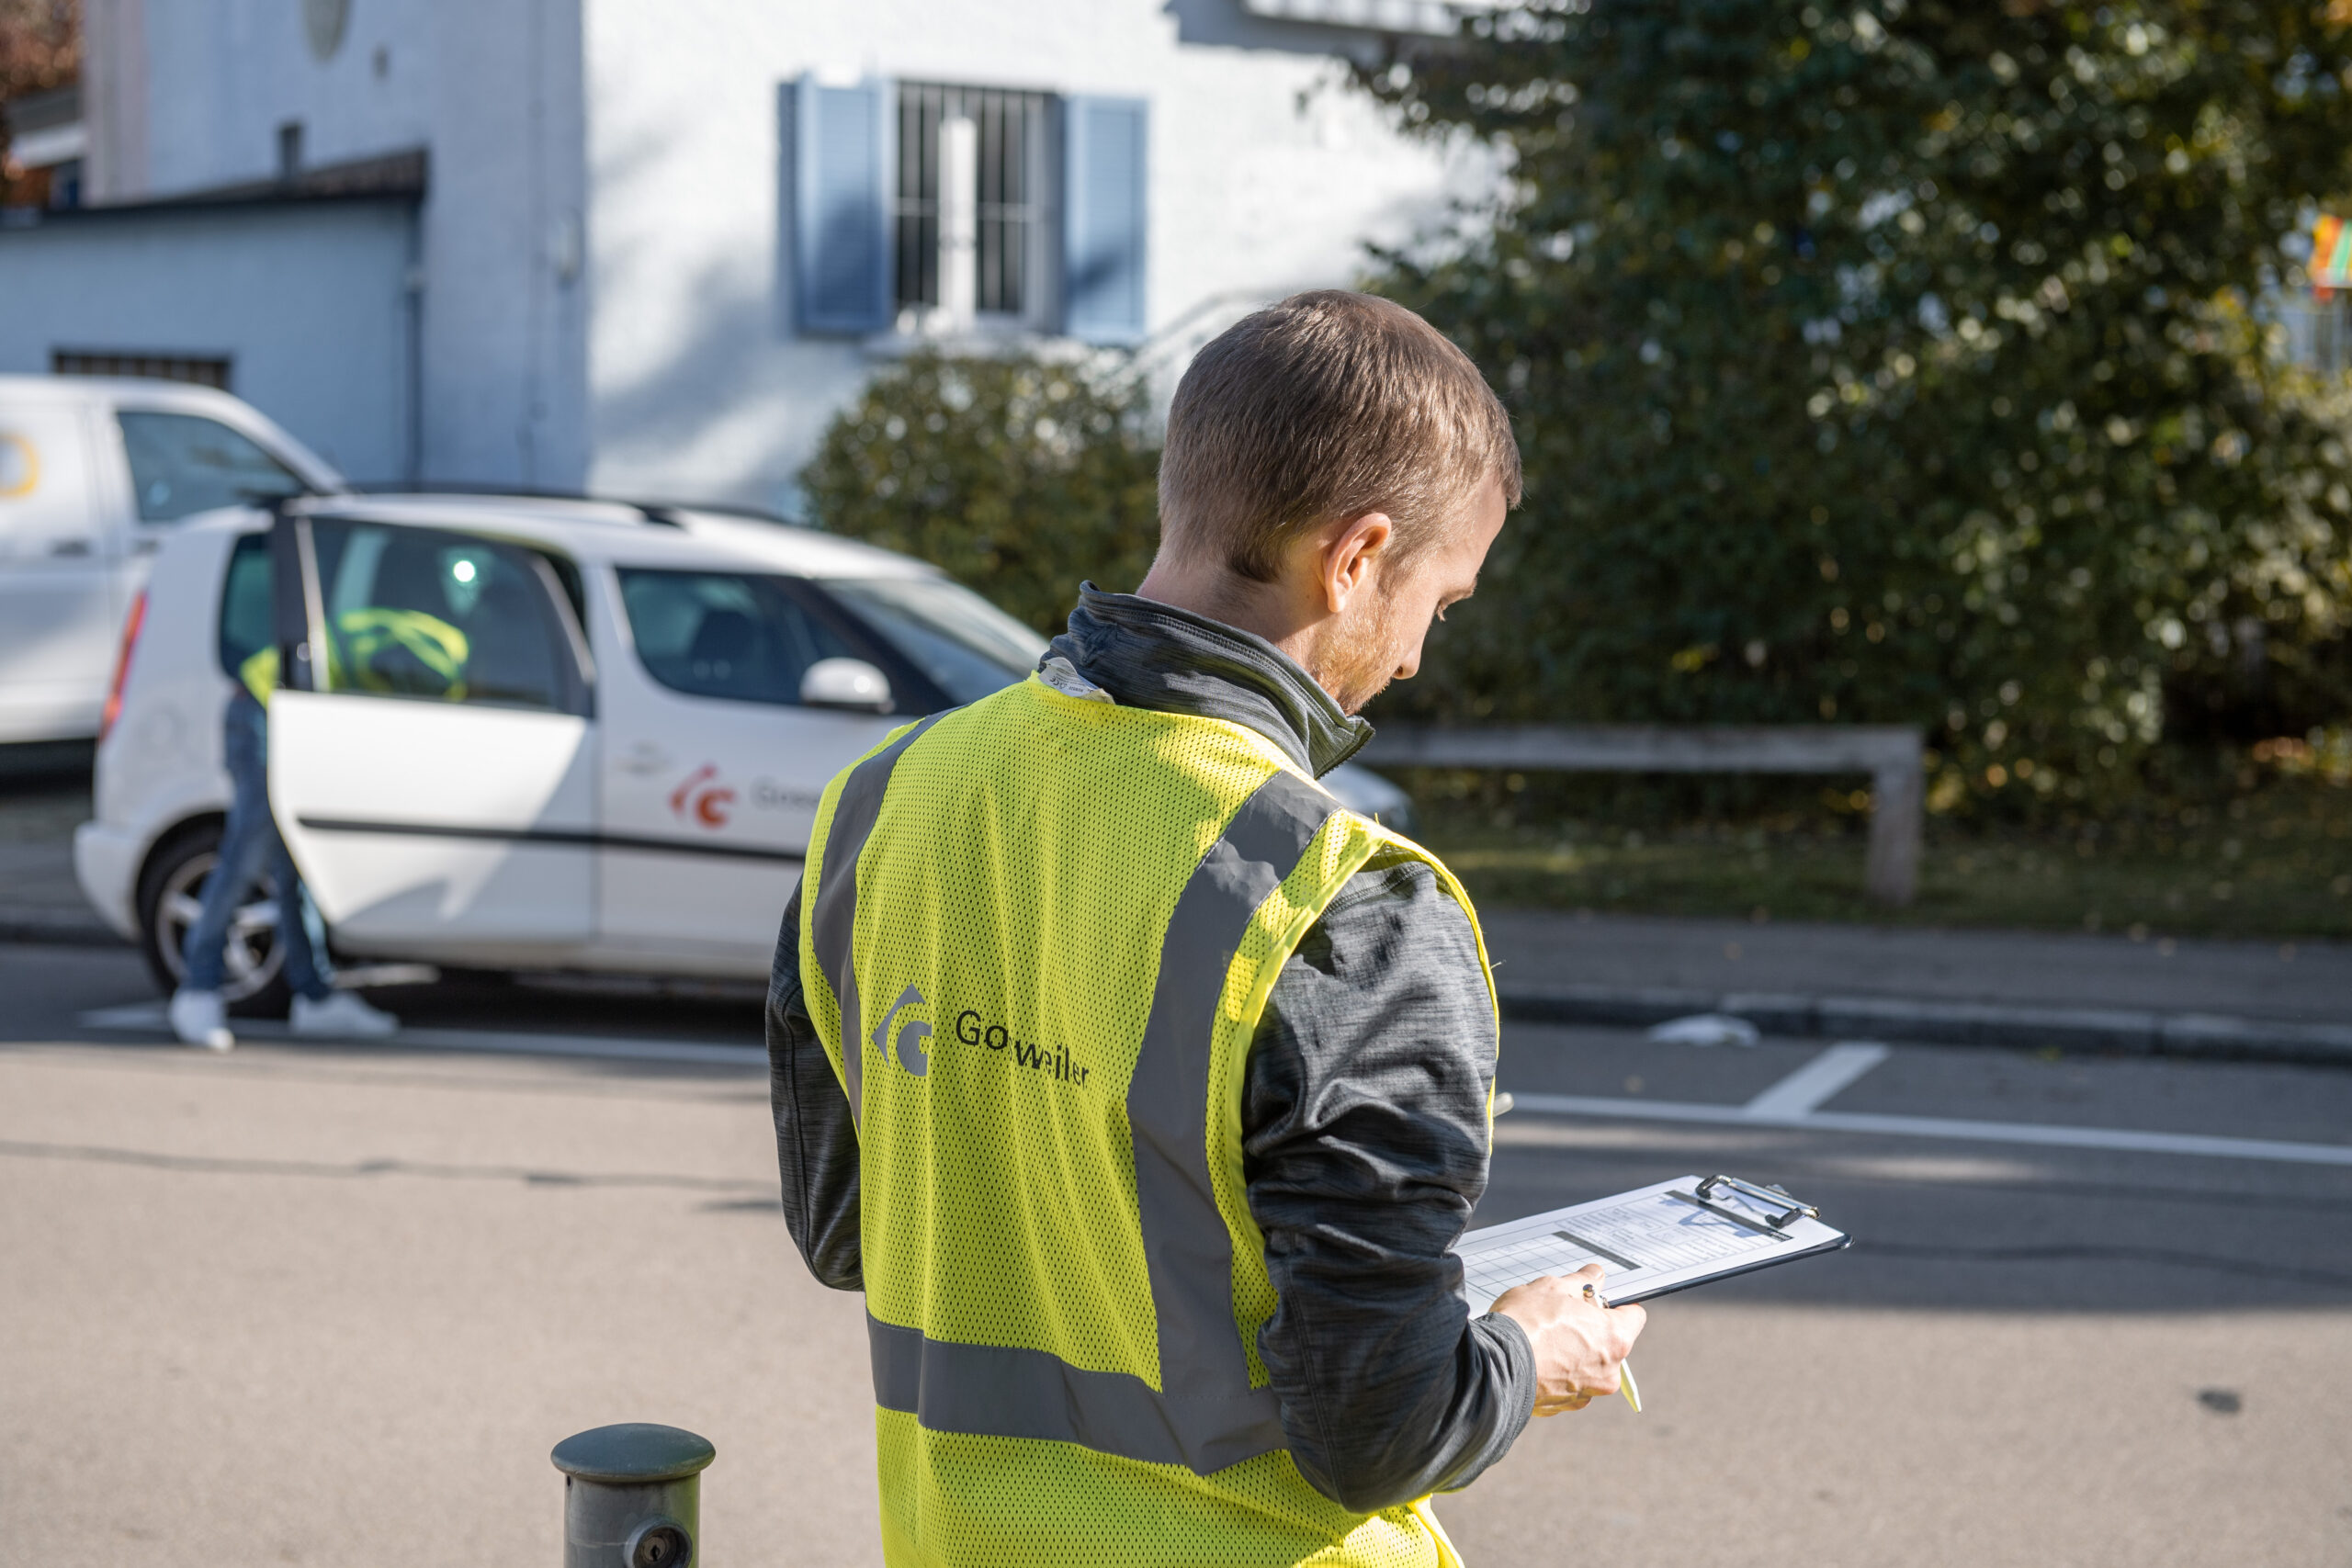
(663, 513)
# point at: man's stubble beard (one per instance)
(1358, 667)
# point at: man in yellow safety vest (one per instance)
(1142, 1088)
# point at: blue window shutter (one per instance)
(1105, 198)
(843, 165)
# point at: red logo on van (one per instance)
(702, 798)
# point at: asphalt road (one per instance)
(316, 1305)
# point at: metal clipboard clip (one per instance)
(1770, 1197)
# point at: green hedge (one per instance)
(1019, 476)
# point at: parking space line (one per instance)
(1819, 1081)
(149, 1019)
(2122, 1140)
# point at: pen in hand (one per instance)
(1625, 1383)
(1577, 1337)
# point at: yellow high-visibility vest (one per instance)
(358, 644)
(1037, 934)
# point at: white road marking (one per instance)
(1944, 1127)
(1819, 1081)
(149, 1019)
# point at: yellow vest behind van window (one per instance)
(402, 652)
(1037, 934)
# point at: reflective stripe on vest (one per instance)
(834, 920)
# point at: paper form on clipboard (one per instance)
(1653, 1240)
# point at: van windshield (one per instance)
(182, 463)
(967, 646)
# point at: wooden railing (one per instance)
(1891, 754)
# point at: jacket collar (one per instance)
(1149, 655)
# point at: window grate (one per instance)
(149, 366)
(1009, 128)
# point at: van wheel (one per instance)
(253, 980)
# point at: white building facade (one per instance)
(655, 247)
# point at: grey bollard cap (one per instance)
(634, 1454)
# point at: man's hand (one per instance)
(1579, 1344)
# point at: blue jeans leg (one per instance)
(250, 845)
(306, 970)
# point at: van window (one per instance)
(245, 605)
(427, 613)
(183, 463)
(740, 635)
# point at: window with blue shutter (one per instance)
(1104, 196)
(843, 171)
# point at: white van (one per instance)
(94, 474)
(618, 772)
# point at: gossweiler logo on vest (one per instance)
(910, 1049)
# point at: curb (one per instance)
(2208, 1036)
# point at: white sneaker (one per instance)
(198, 1020)
(341, 1016)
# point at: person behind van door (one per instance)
(374, 649)
(1143, 1089)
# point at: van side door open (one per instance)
(432, 740)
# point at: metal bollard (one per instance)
(632, 1495)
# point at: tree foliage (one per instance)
(41, 45)
(1019, 476)
(40, 49)
(1899, 362)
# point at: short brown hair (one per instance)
(1327, 405)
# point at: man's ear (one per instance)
(1351, 555)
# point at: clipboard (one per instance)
(1652, 1241)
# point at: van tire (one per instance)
(174, 878)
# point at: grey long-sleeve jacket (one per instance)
(1363, 1108)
